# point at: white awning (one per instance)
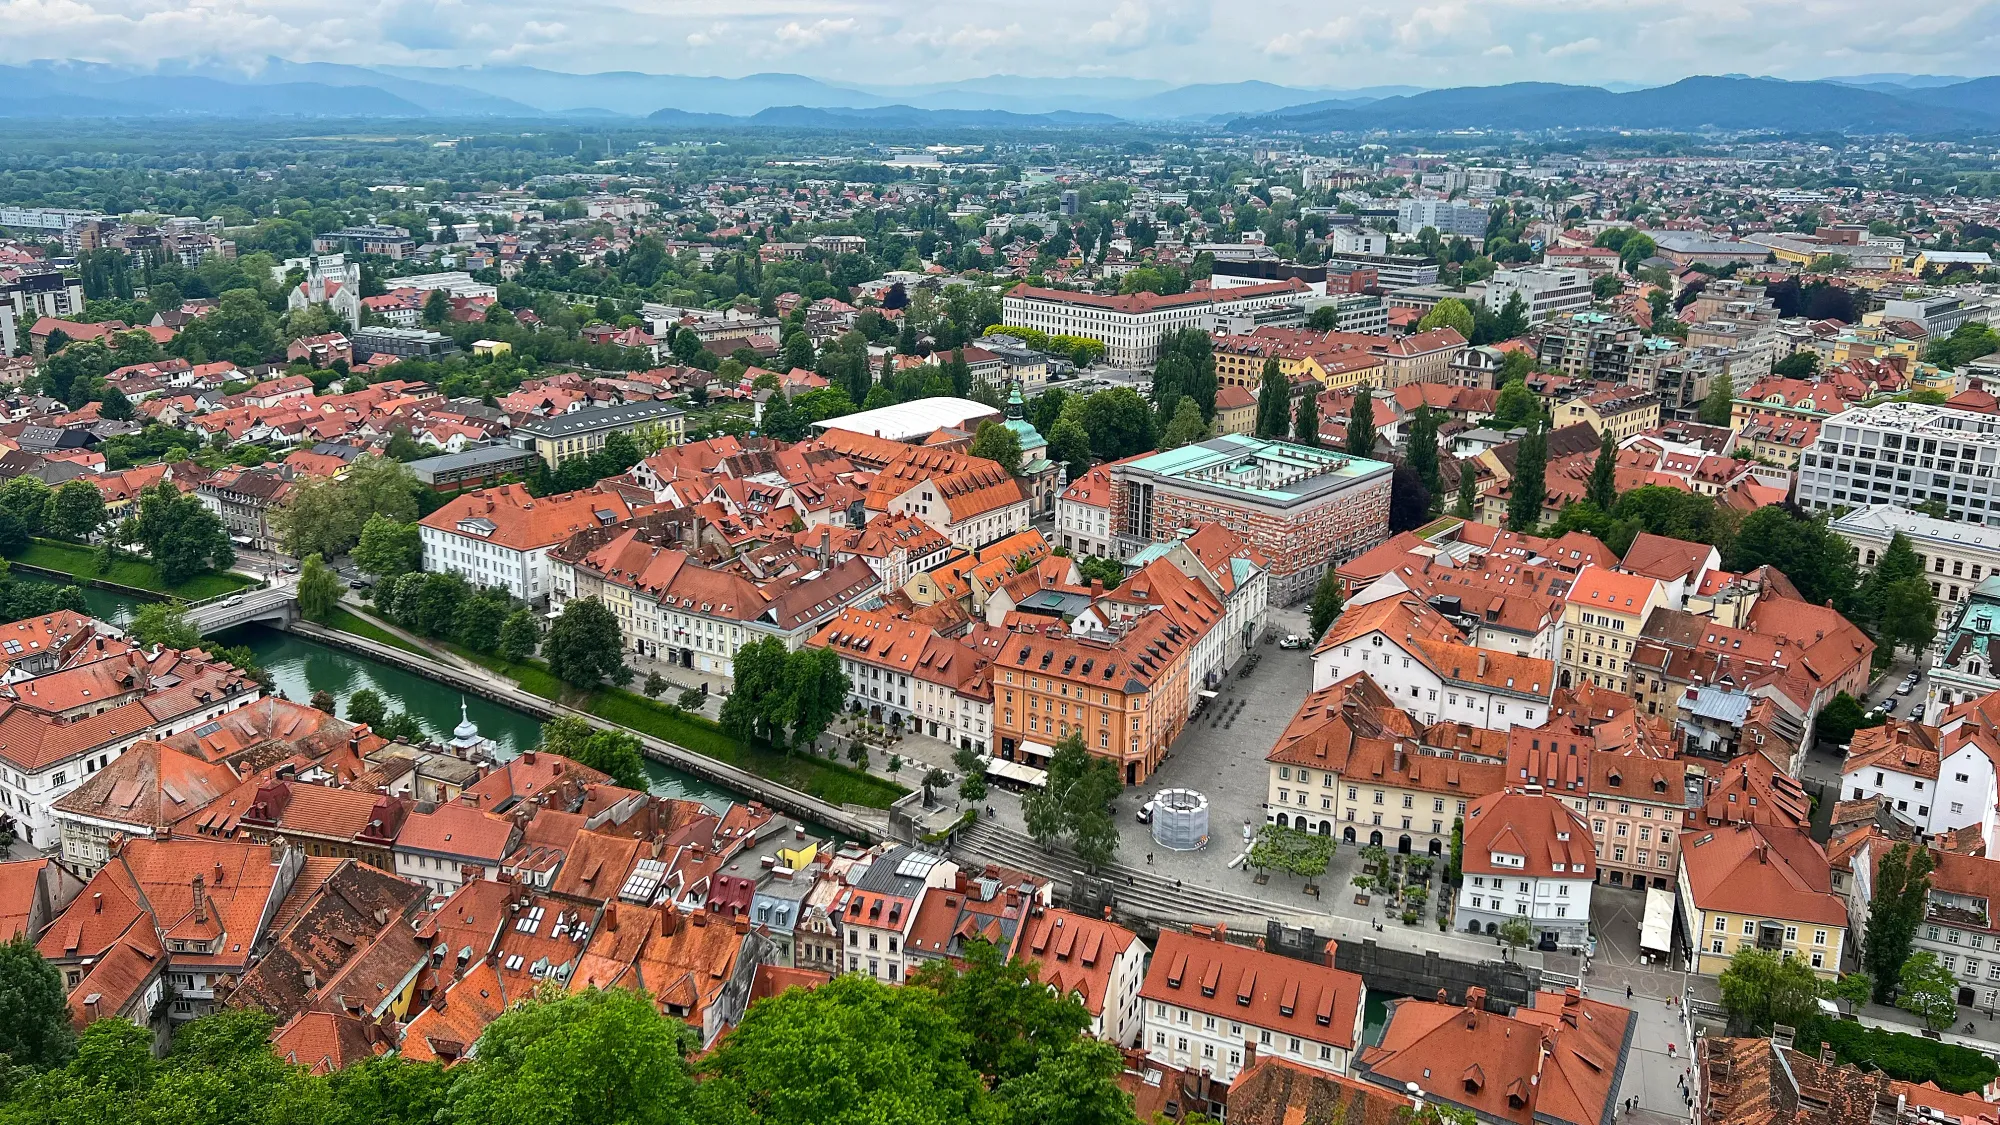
(1016, 771)
(1656, 933)
(1207, 694)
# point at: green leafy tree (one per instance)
(34, 1010)
(1186, 428)
(1069, 442)
(584, 647)
(1448, 313)
(437, 308)
(388, 549)
(1897, 906)
(1512, 320)
(1516, 406)
(27, 500)
(1603, 488)
(1361, 422)
(519, 635)
(1325, 318)
(183, 536)
(853, 1051)
(1908, 617)
(756, 704)
(165, 624)
(1018, 1023)
(1516, 932)
(1119, 423)
(1305, 424)
(1527, 491)
(607, 751)
(1927, 990)
(1817, 560)
(1855, 988)
(582, 1058)
(322, 700)
(1801, 364)
(997, 443)
(1071, 806)
(1759, 988)
(1840, 718)
(76, 510)
(1326, 603)
(366, 706)
(971, 765)
(1420, 450)
(1274, 402)
(655, 685)
(1967, 342)
(1717, 407)
(319, 590)
(477, 622)
(816, 688)
(1074, 1083)
(1467, 506)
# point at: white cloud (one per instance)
(1335, 43)
(1338, 32)
(1134, 24)
(1585, 46)
(795, 36)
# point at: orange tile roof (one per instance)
(324, 1042)
(1266, 990)
(1556, 1062)
(1073, 953)
(522, 522)
(1763, 871)
(1538, 827)
(1609, 590)
(151, 784)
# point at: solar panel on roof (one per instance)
(644, 882)
(917, 865)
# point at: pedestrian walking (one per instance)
(1670, 1050)
(1149, 857)
(1628, 992)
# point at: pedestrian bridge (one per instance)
(274, 604)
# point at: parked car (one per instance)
(1146, 813)
(1292, 640)
(1904, 687)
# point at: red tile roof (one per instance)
(1264, 990)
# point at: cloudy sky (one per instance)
(1329, 43)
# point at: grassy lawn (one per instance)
(80, 561)
(809, 773)
(348, 622)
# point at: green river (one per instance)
(301, 667)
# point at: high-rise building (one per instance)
(1906, 453)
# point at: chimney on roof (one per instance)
(90, 1004)
(311, 980)
(1249, 1054)
(200, 893)
(277, 850)
(97, 902)
(218, 873)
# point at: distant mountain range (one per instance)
(1918, 104)
(1733, 103)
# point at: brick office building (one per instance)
(1305, 509)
